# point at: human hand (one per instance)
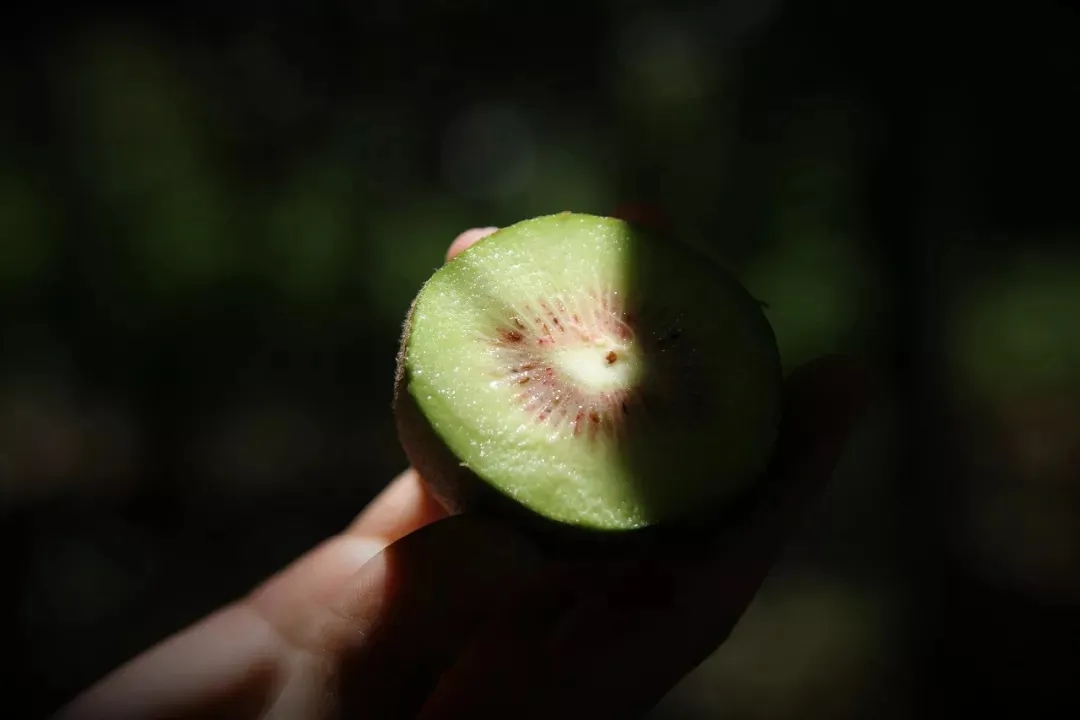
(411, 613)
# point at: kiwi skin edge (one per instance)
(460, 490)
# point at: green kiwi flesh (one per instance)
(579, 370)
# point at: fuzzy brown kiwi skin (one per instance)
(459, 490)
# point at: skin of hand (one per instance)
(411, 613)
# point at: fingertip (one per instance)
(468, 239)
(403, 506)
(644, 214)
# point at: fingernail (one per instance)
(468, 238)
(646, 215)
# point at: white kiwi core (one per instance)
(601, 367)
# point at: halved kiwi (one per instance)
(580, 371)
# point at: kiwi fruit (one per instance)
(589, 376)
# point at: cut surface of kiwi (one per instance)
(589, 373)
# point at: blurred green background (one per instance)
(213, 218)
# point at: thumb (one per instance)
(407, 614)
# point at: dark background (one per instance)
(213, 217)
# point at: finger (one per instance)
(646, 215)
(316, 577)
(407, 614)
(227, 665)
(403, 506)
(636, 630)
(467, 239)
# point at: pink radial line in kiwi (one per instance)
(525, 342)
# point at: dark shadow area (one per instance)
(213, 219)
